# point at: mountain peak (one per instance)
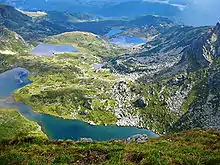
(10, 13)
(217, 28)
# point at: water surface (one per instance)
(50, 50)
(125, 41)
(54, 127)
(12, 80)
(113, 32)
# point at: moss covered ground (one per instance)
(190, 147)
(14, 125)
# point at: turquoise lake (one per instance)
(54, 127)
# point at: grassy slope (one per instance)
(13, 125)
(11, 41)
(87, 42)
(63, 84)
(190, 147)
(67, 86)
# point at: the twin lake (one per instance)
(54, 127)
(123, 41)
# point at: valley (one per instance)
(101, 81)
(104, 83)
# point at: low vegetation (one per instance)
(67, 85)
(14, 125)
(11, 42)
(190, 147)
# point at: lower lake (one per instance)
(50, 50)
(54, 127)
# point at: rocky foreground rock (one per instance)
(86, 140)
(139, 138)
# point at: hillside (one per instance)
(30, 29)
(142, 22)
(141, 90)
(38, 28)
(11, 41)
(65, 75)
(204, 108)
(175, 73)
(14, 125)
(157, 88)
(190, 147)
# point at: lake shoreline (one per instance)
(57, 127)
(91, 123)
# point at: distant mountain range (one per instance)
(133, 8)
(55, 22)
(104, 8)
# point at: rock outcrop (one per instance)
(139, 138)
(86, 140)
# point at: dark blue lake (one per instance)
(113, 32)
(58, 128)
(50, 50)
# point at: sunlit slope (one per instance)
(190, 147)
(68, 85)
(14, 125)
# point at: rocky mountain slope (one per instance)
(11, 41)
(204, 111)
(183, 66)
(154, 88)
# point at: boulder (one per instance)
(86, 140)
(84, 113)
(87, 104)
(139, 138)
(140, 103)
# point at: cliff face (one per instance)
(203, 51)
(178, 74)
(204, 111)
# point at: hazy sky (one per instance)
(197, 12)
(202, 12)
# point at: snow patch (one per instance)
(7, 52)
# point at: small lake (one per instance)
(50, 50)
(113, 32)
(12, 80)
(125, 41)
(58, 128)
